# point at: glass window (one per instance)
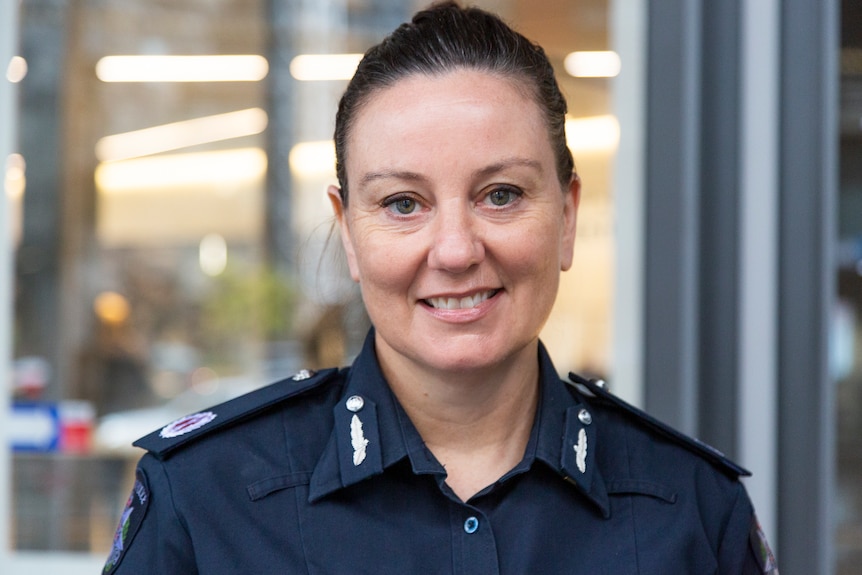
(171, 234)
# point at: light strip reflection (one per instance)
(229, 68)
(593, 64)
(183, 134)
(218, 170)
(318, 67)
(593, 134)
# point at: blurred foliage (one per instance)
(248, 306)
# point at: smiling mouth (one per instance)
(460, 303)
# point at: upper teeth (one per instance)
(459, 303)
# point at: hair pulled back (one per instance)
(443, 38)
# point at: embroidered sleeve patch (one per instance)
(760, 548)
(130, 521)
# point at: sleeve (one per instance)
(744, 549)
(151, 538)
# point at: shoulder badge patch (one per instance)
(130, 521)
(186, 424)
(186, 430)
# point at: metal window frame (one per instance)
(739, 231)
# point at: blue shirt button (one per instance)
(471, 525)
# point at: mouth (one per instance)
(467, 302)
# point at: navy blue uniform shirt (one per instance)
(325, 473)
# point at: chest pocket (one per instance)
(260, 489)
(666, 527)
(640, 487)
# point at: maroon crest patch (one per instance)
(186, 424)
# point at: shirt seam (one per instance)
(291, 467)
(725, 528)
(632, 503)
(180, 519)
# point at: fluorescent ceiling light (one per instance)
(181, 135)
(235, 68)
(311, 159)
(213, 169)
(593, 134)
(312, 67)
(593, 64)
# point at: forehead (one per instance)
(423, 116)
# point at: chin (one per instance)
(459, 356)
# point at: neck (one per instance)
(476, 423)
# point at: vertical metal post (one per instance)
(671, 279)
(719, 243)
(808, 174)
(38, 269)
(757, 393)
(279, 236)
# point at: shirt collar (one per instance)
(367, 433)
(371, 432)
(564, 414)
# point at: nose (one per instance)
(456, 243)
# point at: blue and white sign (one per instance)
(34, 427)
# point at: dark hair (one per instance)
(443, 38)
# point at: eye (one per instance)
(403, 205)
(503, 195)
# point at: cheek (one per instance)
(533, 252)
(383, 263)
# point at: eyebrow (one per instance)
(391, 175)
(508, 163)
(481, 172)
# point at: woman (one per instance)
(450, 445)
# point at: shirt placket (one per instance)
(474, 548)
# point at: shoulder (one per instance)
(191, 428)
(646, 429)
(696, 490)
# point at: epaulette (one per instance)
(191, 427)
(714, 456)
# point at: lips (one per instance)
(467, 302)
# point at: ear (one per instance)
(571, 200)
(340, 211)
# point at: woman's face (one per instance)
(456, 227)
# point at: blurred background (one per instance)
(168, 243)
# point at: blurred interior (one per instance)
(173, 238)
